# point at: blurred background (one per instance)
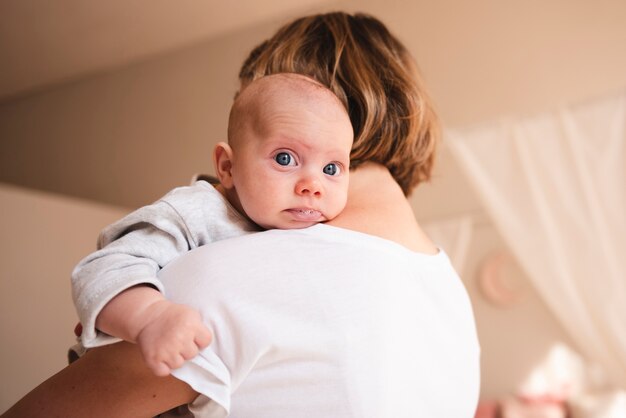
(105, 106)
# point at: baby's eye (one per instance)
(284, 158)
(331, 169)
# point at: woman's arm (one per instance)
(109, 381)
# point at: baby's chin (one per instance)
(293, 218)
(290, 225)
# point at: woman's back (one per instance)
(328, 322)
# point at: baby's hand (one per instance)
(175, 333)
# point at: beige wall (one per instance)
(43, 237)
(514, 339)
(123, 137)
(135, 132)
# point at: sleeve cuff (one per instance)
(91, 337)
(207, 374)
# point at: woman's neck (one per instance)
(377, 206)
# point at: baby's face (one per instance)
(292, 170)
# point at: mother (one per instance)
(362, 317)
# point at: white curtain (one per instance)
(555, 187)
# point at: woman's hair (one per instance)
(373, 75)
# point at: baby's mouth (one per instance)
(306, 214)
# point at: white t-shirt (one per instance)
(327, 322)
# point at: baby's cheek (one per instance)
(265, 214)
(337, 207)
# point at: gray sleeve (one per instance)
(131, 251)
(134, 249)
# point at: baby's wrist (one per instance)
(146, 315)
(128, 313)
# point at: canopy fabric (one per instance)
(554, 186)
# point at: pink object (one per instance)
(487, 409)
(517, 408)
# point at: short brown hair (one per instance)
(374, 76)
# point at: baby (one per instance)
(285, 166)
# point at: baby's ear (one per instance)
(223, 162)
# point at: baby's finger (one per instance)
(189, 351)
(160, 369)
(203, 338)
(176, 362)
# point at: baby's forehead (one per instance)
(278, 96)
(266, 90)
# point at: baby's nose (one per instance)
(309, 186)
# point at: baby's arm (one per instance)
(167, 333)
(116, 289)
(131, 253)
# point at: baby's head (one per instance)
(288, 154)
